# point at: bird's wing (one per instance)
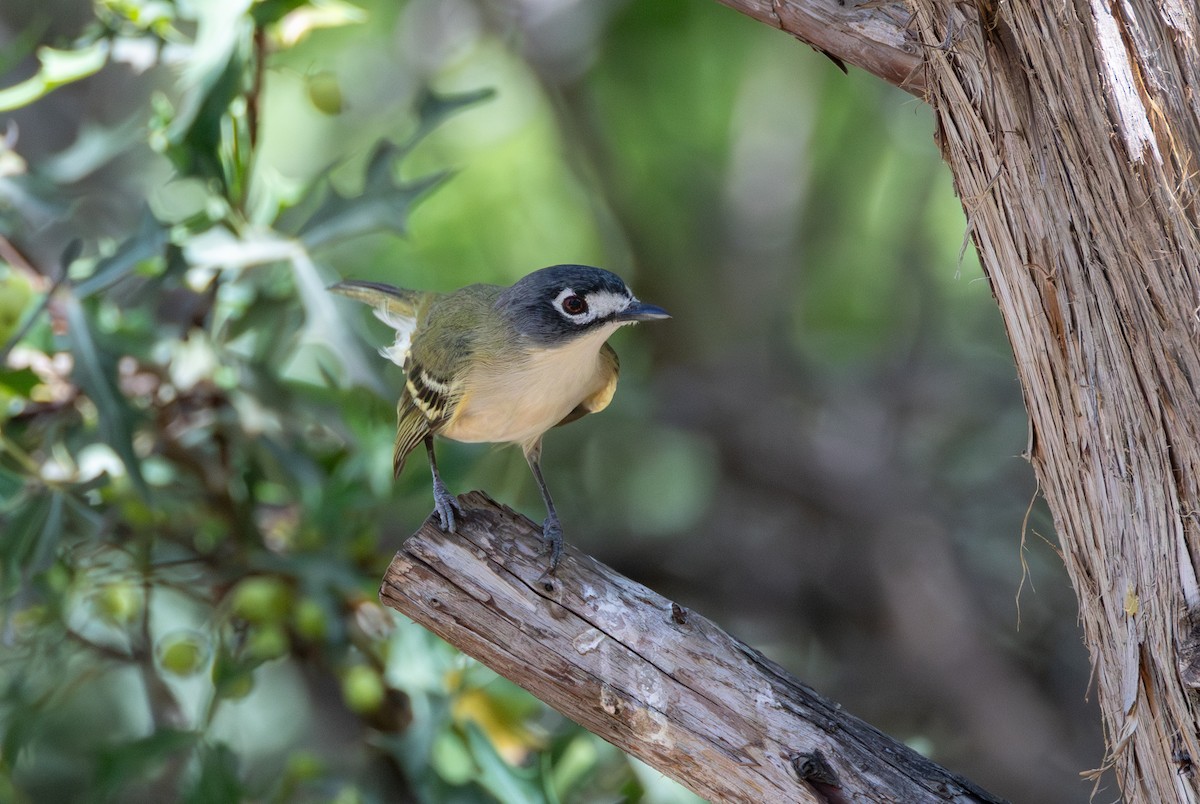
(426, 405)
(598, 401)
(436, 365)
(411, 429)
(399, 308)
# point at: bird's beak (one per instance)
(640, 311)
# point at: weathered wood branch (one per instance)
(873, 35)
(657, 680)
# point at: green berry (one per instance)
(363, 689)
(267, 642)
(182, 654)
(15, 294)
(309, 620)
(261, 599)
(325, 92)
(120, 602)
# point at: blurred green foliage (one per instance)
(196, 502)
(192, 494)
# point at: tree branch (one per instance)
(659, 681)
(1072, 131)
(873, 35)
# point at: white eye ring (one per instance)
(600, 304)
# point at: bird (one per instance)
(495, 364)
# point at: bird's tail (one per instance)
(386, 299)
(399, 308)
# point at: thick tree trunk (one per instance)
(1073, 132)
(661, 682)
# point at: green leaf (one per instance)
(58, 67)
(22, 529)
(23, 710)
(11, 484)
(95, 147)
(94, 374)
(218, 780)
(203, 139)
(23, 42)
(86, 521)
(497, 776)
(64, 66)
(139, 759)
(220, 26)
(31, 535)
(146, 243)
(323, 325)
(70, 253)
(266, 12)
(198, 135)
(47, 541)
(19, 382)
(320, 14)
(434, 109)
(384, 203)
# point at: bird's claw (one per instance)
(446, 504)
(552, 542)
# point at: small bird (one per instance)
(503, 365)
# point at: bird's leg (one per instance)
(443, 501)
(551, 529)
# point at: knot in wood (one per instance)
(678, 614)
(813, 767)
(1188, 657)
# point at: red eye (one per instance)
(574, 305)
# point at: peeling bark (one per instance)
(873, 35)
(1073, 133)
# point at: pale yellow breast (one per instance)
(519, 402)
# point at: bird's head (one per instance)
(559, 303)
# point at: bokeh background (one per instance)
(820, 451)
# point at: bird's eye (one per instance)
(574, 305)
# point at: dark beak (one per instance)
(640, 311)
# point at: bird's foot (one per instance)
(446, 504)
(552, 542)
